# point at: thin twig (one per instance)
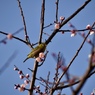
(8, 62)
(81, 30)
(12, 34)
(42, 20)
(48, 25)
(13, 37)
(57, 2)
(23, 19)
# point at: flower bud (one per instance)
(38, 59)
(20, 72)
(21, 77)
(27, 76)
(26, 82)
(41, 55)
(62, 18)
(92, 32)
(88, 27)
(9, 36)
(57, 25)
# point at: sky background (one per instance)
(11, 21)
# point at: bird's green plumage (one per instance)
(35, 52)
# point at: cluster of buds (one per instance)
(37, 90)
(22, 76)
(21, 87)
(57, 24)
(90, 28)
(73, 31)
(41, 57)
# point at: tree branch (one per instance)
(65, 21)
(42, 20)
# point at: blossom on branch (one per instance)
(88, 27)
(57, 25)
(92, 32)
(41, 55)
(9, 36)
(62, 18)
(21, 88)
(38, 59)
(73, 33)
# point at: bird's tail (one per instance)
(25, 59)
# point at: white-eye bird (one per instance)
(35, 51)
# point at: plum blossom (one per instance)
(38, 59)
(62, 18)
(92, 32)
(41, 55)
(21, 88)
(88, 27)
(57, 25)
(9, 36)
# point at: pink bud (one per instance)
(15, 69)
(38, 86)
(57, 25)
(81, 94)
(92, 32)
(88, 27)
(73, 34)
(21, 77)
(62, 18)
(26, 82)
(92, 93)
(27, 75)
(21, 88)
(9, 36)
(20, 72)
(38, 59)
(41, 55)
(16, 86)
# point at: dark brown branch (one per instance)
(57, 2)
(23, 19)
(65, 21)
(33, 78)
(42, 20)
